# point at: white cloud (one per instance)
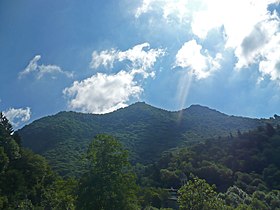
(105, 58)
(199, 62)
(140, 58)
(42, 70)
(32, 66)
(270, 66)
(262, 47)
(170, 9)
(255, 43)
(179, 7)
(52, 69)
(18, 116)
(103, 93)
(144, 8)
(248, 27)
(238, 18)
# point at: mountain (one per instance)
(145, 130)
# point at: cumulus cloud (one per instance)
(144, 7)
(199, 62)
(254, 44)
(104, 58)
(140, 57)
(262, 47)
(103, 93)
(238, 18)
(18, 116)
(270, 66)
(249, 28)
(170, 9)
(42, 70)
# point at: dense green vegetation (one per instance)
(240, 170)
(198, 194)
(26, 179)
(144, 130)
(245, 170)
(109, 182)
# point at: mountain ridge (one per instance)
(145, 130)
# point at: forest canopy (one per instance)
(233, 172)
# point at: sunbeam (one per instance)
(183, 89)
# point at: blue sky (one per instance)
(97, 56)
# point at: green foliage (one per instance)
(144, 130)
(153, 197)
(61, 194)
(197, 194)
(169, 178)
(7, 142)
(239, 167)
(65, 160)
(214, 173)
(259, 205)
(236, 197)
(245, 166)
(243, 207)
(6, 128)
(109, 182)
(4, 160)
(27, 181)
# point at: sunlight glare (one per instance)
(183, 89)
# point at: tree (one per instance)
(6, 127)
(270, 131)
(61, 194)
(109, 182)
(26, 179)
(4, 160)
(197, 194)
(235, 197)
(9, 144)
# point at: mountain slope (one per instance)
(145, 130)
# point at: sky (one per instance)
(98, 56)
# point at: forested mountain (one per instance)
(145, 130)
(244, 169)
(239, 170)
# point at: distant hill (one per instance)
(145, 130)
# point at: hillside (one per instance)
(145, 130)
(245, 170)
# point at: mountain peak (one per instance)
(145, 130)
(200, 108)
(139, 103)
(197, 106)
(143, 106)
